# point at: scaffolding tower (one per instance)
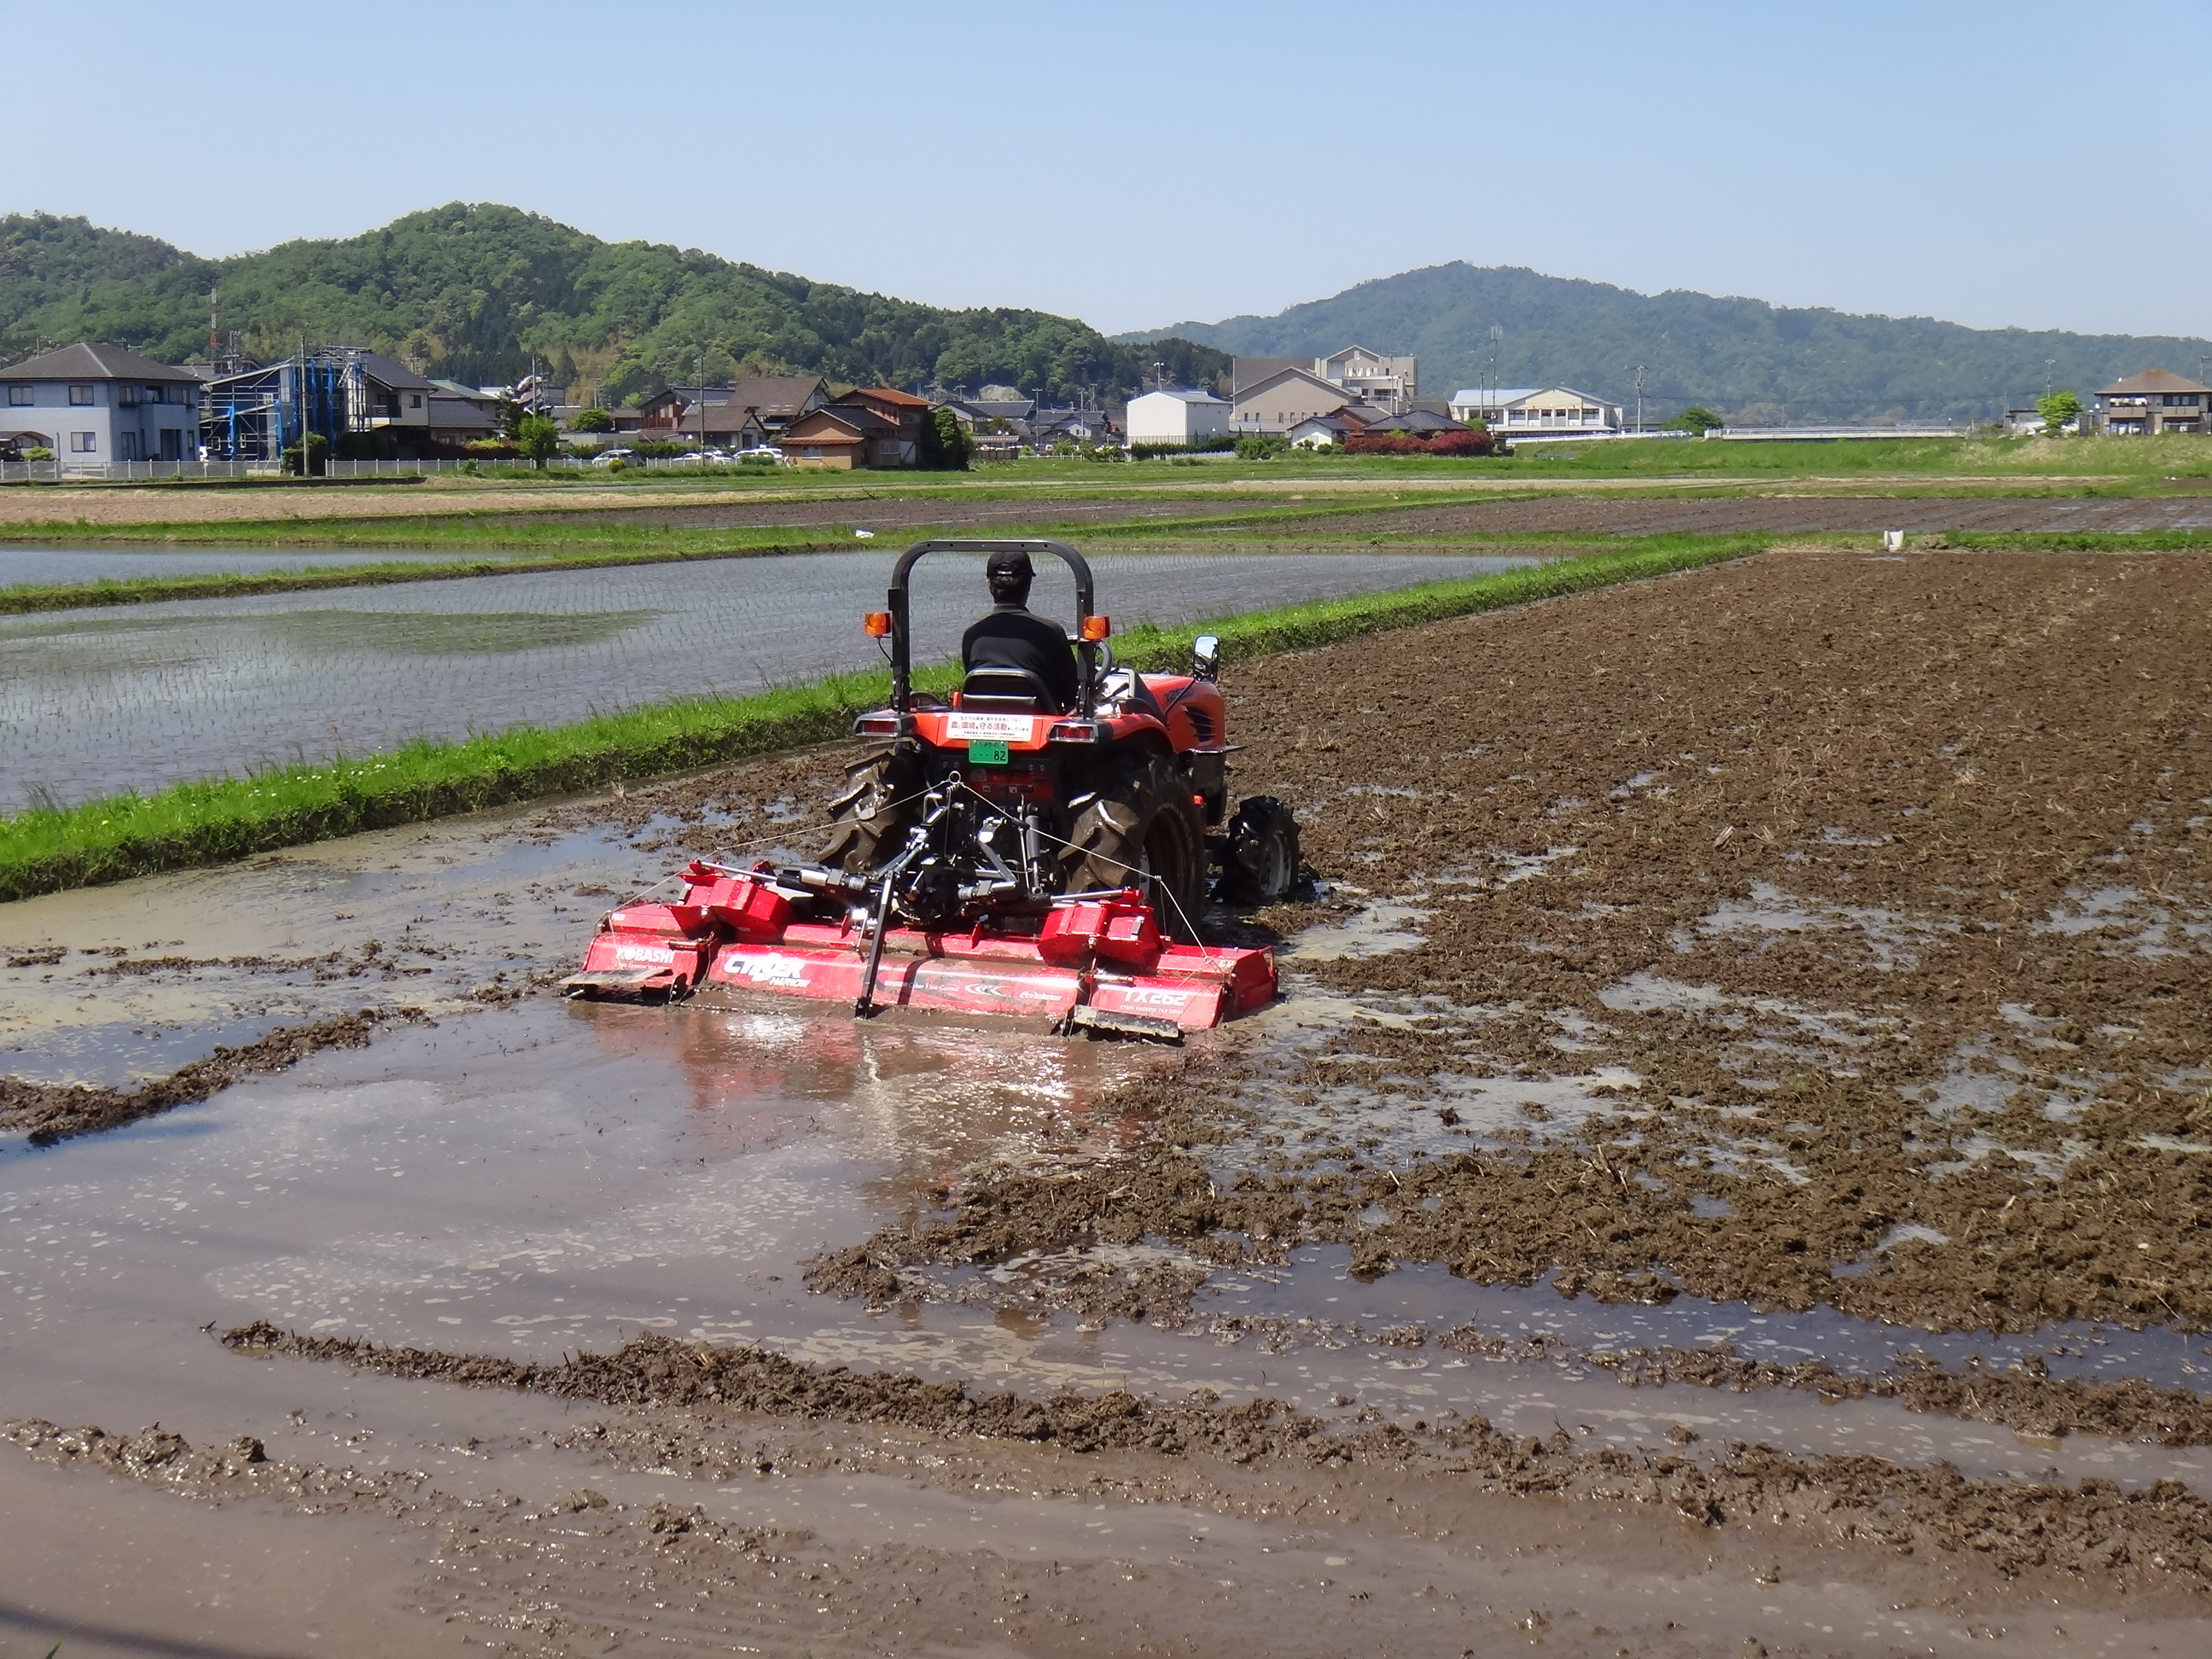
(258, 411)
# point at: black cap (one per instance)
(1009, 562)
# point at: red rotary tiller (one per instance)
(997, 855)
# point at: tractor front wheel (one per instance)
(1141, 830)
(1261, 862)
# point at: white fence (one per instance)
(373, 469)
(1832, 434)
(59, 471)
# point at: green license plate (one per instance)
(986, 752)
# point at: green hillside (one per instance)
(470, 292)
(1740, 355)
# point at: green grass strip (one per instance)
(50, 849)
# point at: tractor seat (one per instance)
(992, 688)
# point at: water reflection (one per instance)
(911, 1103)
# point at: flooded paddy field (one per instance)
(24, 565)
(1727, 1176)
(93, 701)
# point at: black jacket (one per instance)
(1011, 636)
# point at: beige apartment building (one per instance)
(2153, 402)
(1285, 399)
(1358, 376)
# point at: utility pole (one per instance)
(702, 401)
(2051, 363)
(1497, 334)
(1639, 400)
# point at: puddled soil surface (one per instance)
(719, 1499)
(1819, 931)
(48, 1112)
(2165, 1525)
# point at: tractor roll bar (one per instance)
(1086, 651)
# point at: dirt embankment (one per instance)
(1840, 926)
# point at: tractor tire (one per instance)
(1261, 865)
(1141, 830)
(870, 817)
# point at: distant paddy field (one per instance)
(96, 701)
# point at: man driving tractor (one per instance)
(1011, 636)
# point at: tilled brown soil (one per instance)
(1790, 515)
(1866, 898)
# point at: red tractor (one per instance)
(999, 853)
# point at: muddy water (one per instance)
(532, 1179)
(557, 1176)
(94, 702)
(546, 1177)
(120, 983)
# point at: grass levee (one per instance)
(48, 849)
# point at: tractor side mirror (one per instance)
(1206, 657)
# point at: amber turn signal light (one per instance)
(877, 623)
(1095, 628)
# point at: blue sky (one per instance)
(1994, 164)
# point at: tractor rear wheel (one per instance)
(1261, 862)
(870, 815)
(1141, 830)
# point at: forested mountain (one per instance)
(1740, 355)
(470, 292)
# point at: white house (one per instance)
(1177, 417)
(1529, 411)
(95, 404)
(1319, 432)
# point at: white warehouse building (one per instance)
(95, 404)
(1177, 417)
